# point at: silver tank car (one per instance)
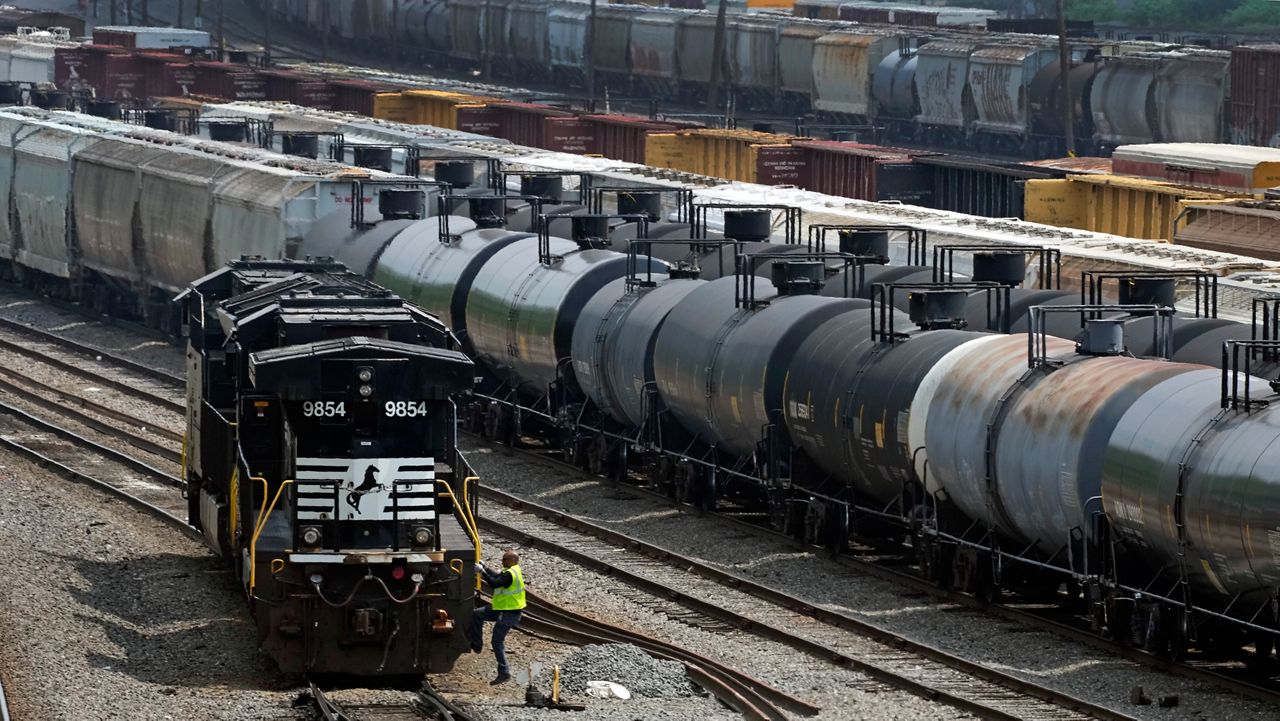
(521, 312)
(614, 342)
(1225, 521)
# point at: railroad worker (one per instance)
(504, 612)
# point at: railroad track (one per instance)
(426, 703)
(875, 568)
(838, 639)
(151, 489)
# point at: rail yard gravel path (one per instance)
(842, 694)
(1034, 654)
(106, 614)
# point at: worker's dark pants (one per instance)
(503, 622)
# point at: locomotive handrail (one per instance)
(261, 525)
(463, 511)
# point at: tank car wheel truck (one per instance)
(321, 462)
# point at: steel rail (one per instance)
(915, 583)
(52, 464)
(85, 349)
(80, 440)
(129, 437)
(90, 375)
(872, 668)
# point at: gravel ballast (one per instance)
(106, 614)
(641, 674)
(1037, 655)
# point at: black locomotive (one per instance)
(321, 462)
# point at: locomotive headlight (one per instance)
(421, 536)
(366, 391)
(311, 536)
(365, 375)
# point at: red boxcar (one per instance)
(356, 96)
(865, 172)
(622, 137)
(1255, 95)
(82, 67)
(525, 123)
(124, 78)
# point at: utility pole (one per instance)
(222, 26)
(146, 13)
(266, 49)
(128, 11)
(717, 58)
(198, 20)
(591, 59)
(182, 14)
(395, 30)
(324, 28)
(114, 18)
(1064, 78)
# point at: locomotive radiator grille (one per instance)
(366, 489)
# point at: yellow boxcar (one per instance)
(437, 108)
(1120, 205)
(729, 154)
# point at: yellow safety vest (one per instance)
(510, 598)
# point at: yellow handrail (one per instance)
(262, 523)
(184, 457)
(233, 513)
(463, 512)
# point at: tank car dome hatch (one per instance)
(402, 203)
(10, 93)
(1003, 267)
(488, 211)
(648, 204)
(865, 243)
(1102, 337)
(934, 309)
(748, 226)
(590, 231)
(1147, 290)
(374, 158)
(798, 277)
(228, 132)
(301, 145)
(548, 187)
(109, 109)
(458, 174)
(162, 119)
